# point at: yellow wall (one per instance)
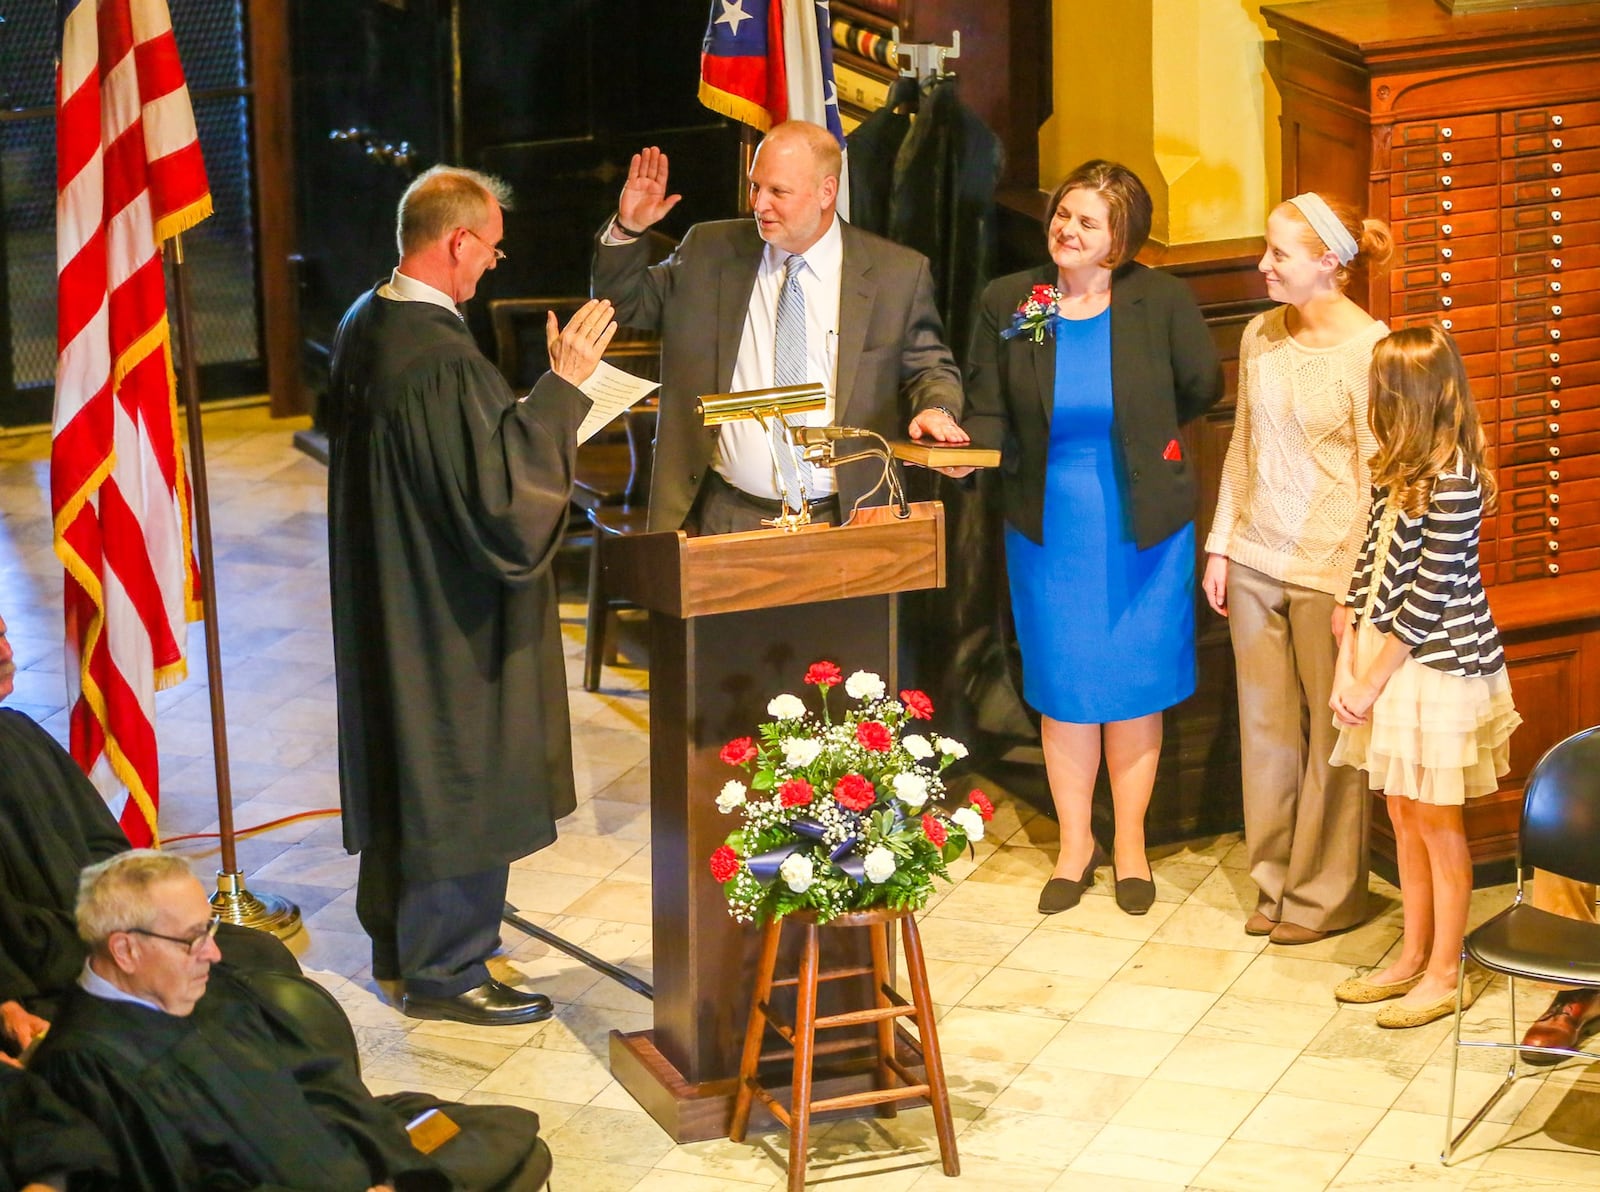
(1178, 91)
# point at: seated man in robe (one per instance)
(200, 1082)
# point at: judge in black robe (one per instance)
(447, 499)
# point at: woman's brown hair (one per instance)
(1128, 205)
(1420, 408)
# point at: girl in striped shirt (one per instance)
(1420, 694)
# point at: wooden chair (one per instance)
(895, 1082)
(609, 523)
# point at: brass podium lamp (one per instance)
(767, 405)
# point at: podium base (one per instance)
(691, 1112)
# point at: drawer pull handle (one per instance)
(1555, 522)
(1447, 302)
(1555, 452)
(1555, 404)
(1556, 311)
(1555, 262)
(1447, 157)
(1446, 324)
(1447, 205)
(1555, 333)
(1556, 240)
(1555, 498)
(1554, 546)
(1555, 357)
(1555, 192)
(1445, 181)
(1555, 287)
(1446, 230)
(1555, 167)
(1447, 253)
(1555, 475)
(1444, 277)
(1446, 132)
(1555, 428)
(1556, 120)
(1555, 569)
(1555, 142)
(1556, 382)
(1555, 217)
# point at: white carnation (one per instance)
(911, 789)
(732, 796)
(864, 685)
(954, 748)
(969, 821)
(797, 872)
(800, 752)
(879, 864)
(917, 746)
(786, 707)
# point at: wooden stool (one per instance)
(894, 1082)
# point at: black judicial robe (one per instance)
(40, 1135)
(52, 823)
(230, 1097)
(447, 499)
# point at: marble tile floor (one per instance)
(1088, 1051)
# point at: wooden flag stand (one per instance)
(232, 901)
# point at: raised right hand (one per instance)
(644, 199)
(576, 348)
(1215, 583)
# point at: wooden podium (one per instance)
(734, 620)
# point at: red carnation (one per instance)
(854, 793)
(824, 674)
(934, 831)
(918, 705)
(981, 802)
(1043, 293)
(796, 792)
(724, 864)
(874, 737)
(738, 751)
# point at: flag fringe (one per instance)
(175, 222)
(736, 107)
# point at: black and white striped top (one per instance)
(1430, 594)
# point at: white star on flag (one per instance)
(732, 13)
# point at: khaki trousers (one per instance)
(1563, 896)
(1305, 822)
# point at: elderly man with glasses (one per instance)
(200, 1081)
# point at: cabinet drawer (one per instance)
(1550, 117)
(1464, 128)
(1554, 140)
(1453, 178)
(1455, 152)
(1568, 352)
(1474, 342)
(1558, 522)
(1523, 405)
(1549, 215)
(1554, 261)
(1554, 479)
(1550, 285)
(1562, 234)
(1483, 370)
(1443, 277)
(1573, 380)
(1435, 229)
(1546, 497)
(1551, 333)
(1455, 320)
(1444, 300)
(1450, 202)
(1578, 561)
(1563, 190)
(1551, 166)
(1435, 251)
(1547, 449)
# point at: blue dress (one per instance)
(1106, 629)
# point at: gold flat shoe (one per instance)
(1402, 1017)
(1358, 991)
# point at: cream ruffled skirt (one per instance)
(1431, 736)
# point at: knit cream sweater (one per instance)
(1295, 487)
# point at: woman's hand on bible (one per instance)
(1215, 583)
(576, 349)
(644, 199)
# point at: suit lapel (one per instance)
(735, 284)
(855, 309)
(1043, 356)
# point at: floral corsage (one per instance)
(1033, 315)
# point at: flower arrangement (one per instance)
(841, 815)
(1034, 314)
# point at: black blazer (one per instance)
(1164, 372)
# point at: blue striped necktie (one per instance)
(790, 369)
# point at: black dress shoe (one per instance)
(490, 1004)
(1135, 895)
(1062, 893)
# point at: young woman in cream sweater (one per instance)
(1289, 524)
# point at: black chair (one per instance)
(611, 522)
(1560, 834)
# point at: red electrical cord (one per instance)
(266, 827)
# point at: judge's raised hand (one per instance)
(20, 1026)
(576, 348)
(644, 198)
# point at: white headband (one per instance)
(1326, 224)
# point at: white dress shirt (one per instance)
(743, 457)
(403, 288)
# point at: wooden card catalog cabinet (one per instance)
(1478, 139)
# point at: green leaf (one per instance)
(764, 780)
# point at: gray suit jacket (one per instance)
(893, 362)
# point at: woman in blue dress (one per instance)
(1081, 372)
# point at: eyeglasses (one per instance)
(194, 943)
(499, 253)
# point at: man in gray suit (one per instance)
(796, 295)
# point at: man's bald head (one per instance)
(794, 184)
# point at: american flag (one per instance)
(128, 176)
(767, 61)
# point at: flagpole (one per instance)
(232, 900)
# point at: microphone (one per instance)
(810, 436)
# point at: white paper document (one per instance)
(612, 391)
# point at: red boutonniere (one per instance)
(1034, 314)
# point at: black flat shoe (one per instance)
(490, 1004)
(1062, 893)
(1135, 895)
